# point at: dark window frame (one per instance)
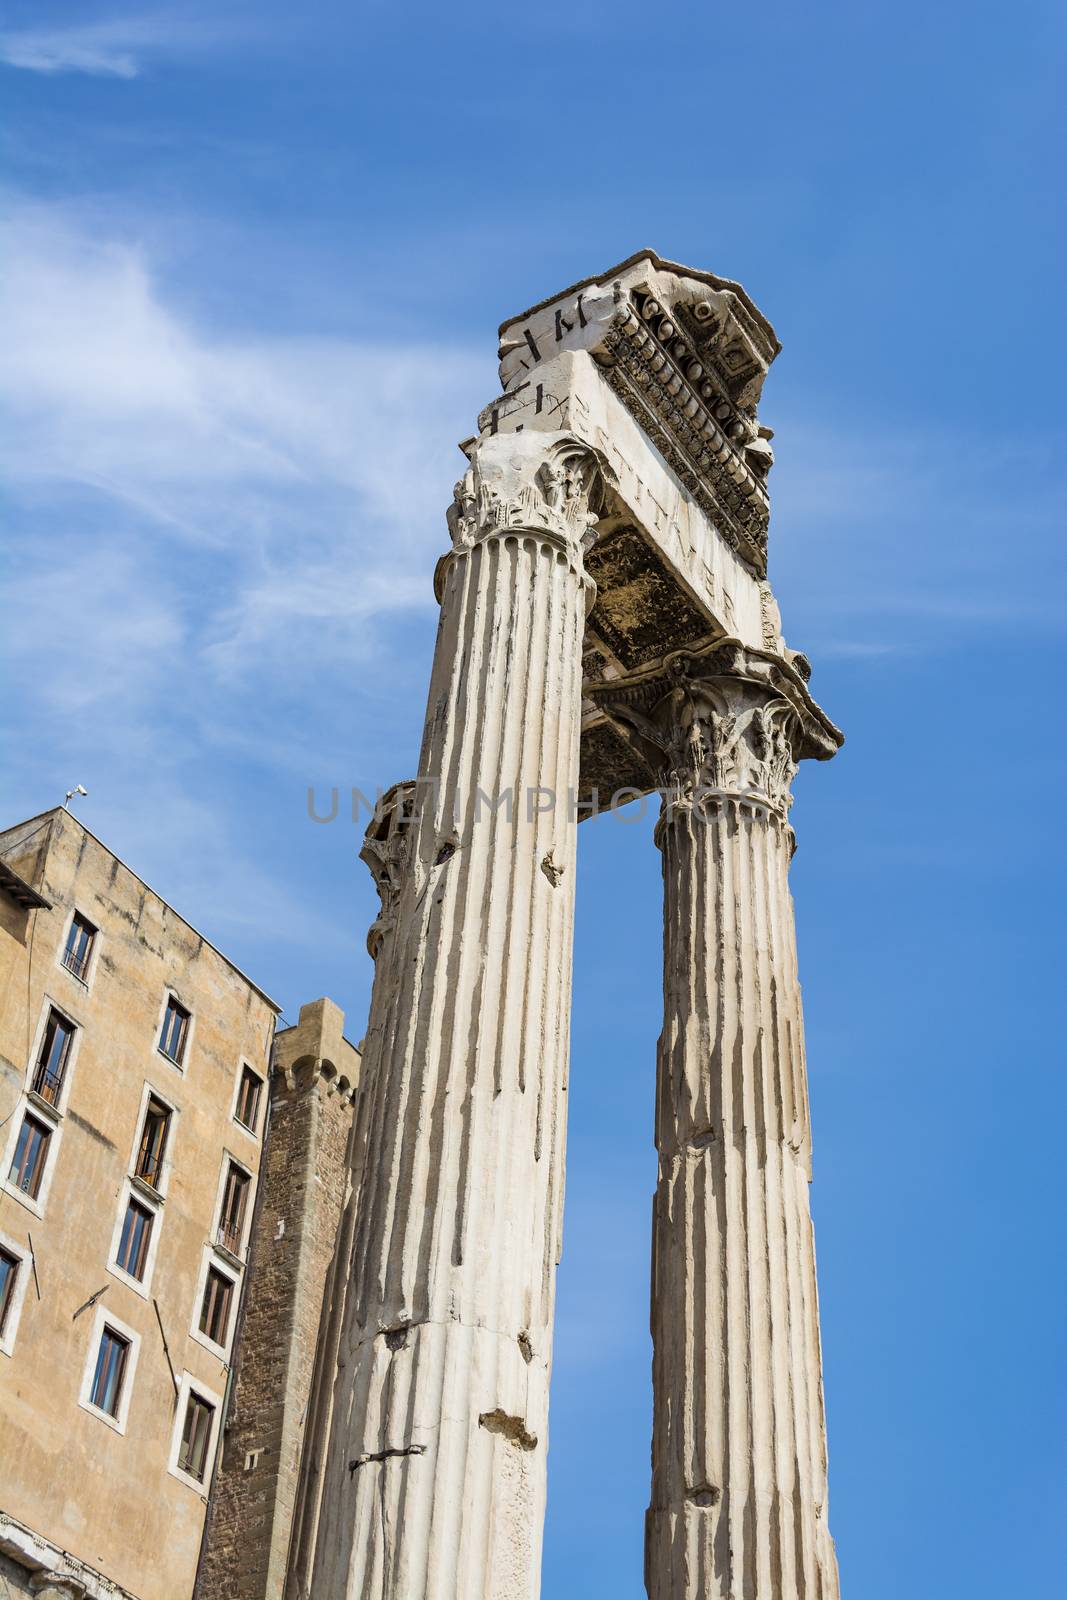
(109, 1374)
(81, 941)
(13, 1264)
(174, 1033)
(53, 1057)
(235, 1189)
(195, 1442)
(131, 1256)
(217, 1306)
(150, 1159)
(252, 1081)
(30, 1174)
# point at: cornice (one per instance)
(682, 394)
(659, 264)
(687, 354)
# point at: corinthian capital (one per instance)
(723, 721)
(544, 483)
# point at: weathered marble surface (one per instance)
(434, 1480)
(606, 620)
(738, 1436)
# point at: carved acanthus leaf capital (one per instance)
(550, 484)
(723, 721)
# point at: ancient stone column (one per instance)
(384, 852)
(738, 1509)
(434, 1478)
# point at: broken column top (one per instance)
(686, 352)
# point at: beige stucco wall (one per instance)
(108, 1497)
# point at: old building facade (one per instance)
(135, 1071)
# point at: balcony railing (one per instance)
(77, 961)
(149, 1167)
(229, 1236)
(47, 1084)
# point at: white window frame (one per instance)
(249, 1133)
(14, 1311)
(240, 1254)
(150, 1092)
(139, 1192)
(215, 1258)
(25, 1105)
(103, 1316)
(86, 982)
(170, 993)
(50, 1004)
(189, 1385)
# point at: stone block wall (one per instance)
(304, 1186)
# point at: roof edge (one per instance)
(56, 810)
(12, 883)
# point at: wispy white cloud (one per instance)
(74, 596)
(115, 47)
(310, 473)
(222, 548)
(219, 547)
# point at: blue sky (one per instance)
(252, 271)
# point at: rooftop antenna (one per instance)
(77, 789)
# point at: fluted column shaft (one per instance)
(739, 1454)
(738, 1506)
(434, 1482)
(384, 851)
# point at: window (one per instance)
(196, 1436)
(248, 1098)
(110, 1364)
(231, 1218)
(175, 1031)
(79, 946)
(215, 1311)
(153, 1145)
(31, 1153)
(52, 1057)
(194, 1433)
(110, 1370)
(9, 1271)
(132, 1254)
